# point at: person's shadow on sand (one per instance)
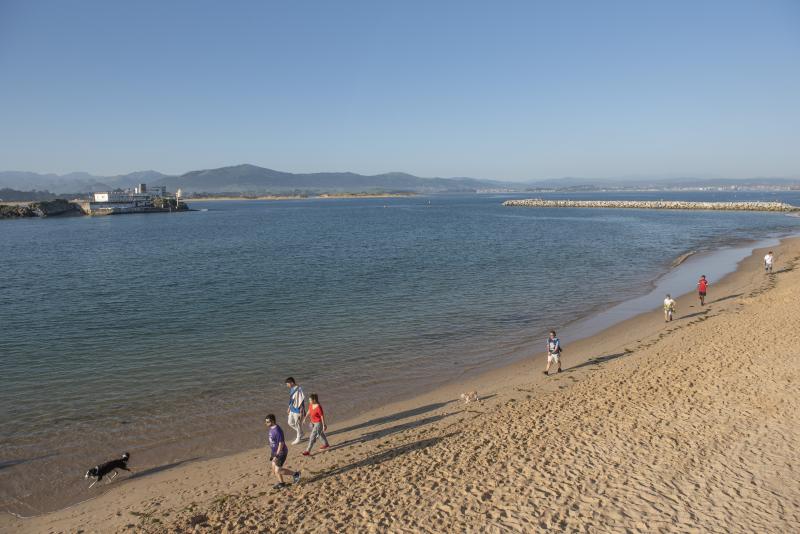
(371, 461)
(393, 417)
(695, 314)
(596, 361)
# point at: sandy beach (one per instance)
(688, 426)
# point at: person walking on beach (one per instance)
(319, 426)
(278, 453)
(702, 287)
(553, 352)
(769, 259)
(669, 308)
(297, 408)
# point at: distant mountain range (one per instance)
(74, 182)
(246, 179)
(250, 178)
(254, 179)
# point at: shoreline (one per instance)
(441, 398)
(218, 419)
(717, 264)
(682, 258)
(512, 348)
(309, 197)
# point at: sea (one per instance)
(170, 336)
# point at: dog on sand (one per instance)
(99, 471)
(470, 396)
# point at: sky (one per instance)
(523, 90)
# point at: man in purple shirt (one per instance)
(278, 453)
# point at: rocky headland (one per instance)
(48, 208)
(62, 208)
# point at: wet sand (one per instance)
(686, 426)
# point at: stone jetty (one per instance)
(653, 205)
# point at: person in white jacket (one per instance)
(297, 408)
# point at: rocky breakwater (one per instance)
(50, 208)
(653, 205)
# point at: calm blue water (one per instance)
(170, 335)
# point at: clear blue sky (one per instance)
(505, 90)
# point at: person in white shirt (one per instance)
(553, 352)
(297, 408)
(669, 308)
(769, 259)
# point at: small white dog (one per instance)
(469, 396)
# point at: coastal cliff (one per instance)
(49, 208)
(653, 204)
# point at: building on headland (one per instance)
(139, 200)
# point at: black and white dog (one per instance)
(99, 471)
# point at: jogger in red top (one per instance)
(702, 287)
(319, 426)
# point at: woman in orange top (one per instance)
(702, 287)
(319, 426)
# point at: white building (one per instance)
(140, 197)
(124, 197)
(139, 194)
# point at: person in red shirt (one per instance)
(318, 424)
(702, 287)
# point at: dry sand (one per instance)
(689, 426)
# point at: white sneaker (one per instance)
(297, 441)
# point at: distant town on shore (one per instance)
(250, 181)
